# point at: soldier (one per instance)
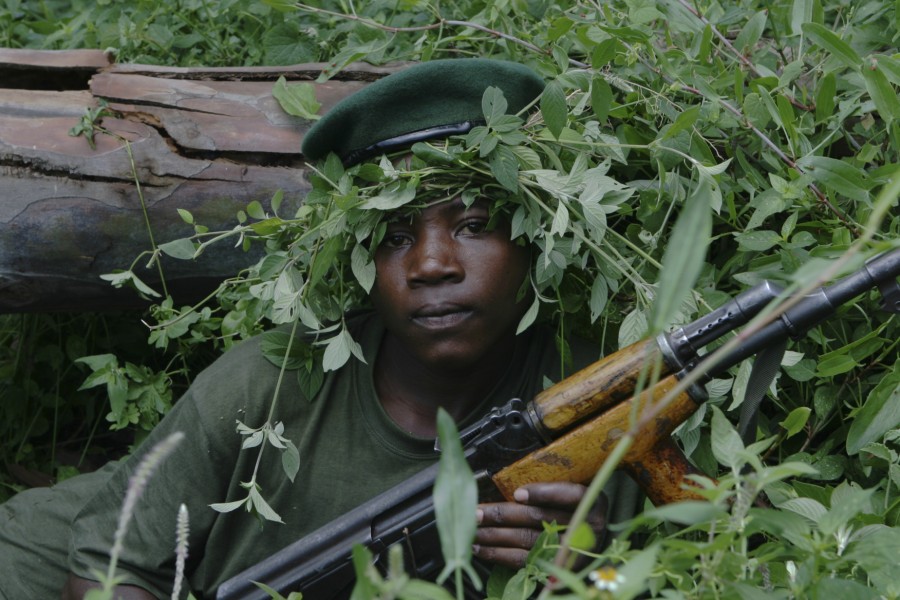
(442, 334)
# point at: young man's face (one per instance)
(446, 285)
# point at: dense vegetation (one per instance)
(745, 141)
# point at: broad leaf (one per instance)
(553, 107)
(879, 414)
(684, 257)
(832, 43)
(455, 501)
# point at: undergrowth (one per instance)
(782, 117)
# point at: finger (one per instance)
(565, 496)
(559, 494)
(509, 514)
(507, 537)
(513, 558)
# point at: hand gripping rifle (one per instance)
(564, 434)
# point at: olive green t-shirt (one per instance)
(350, 450)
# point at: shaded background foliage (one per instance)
(792, 106)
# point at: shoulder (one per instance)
(251, 369)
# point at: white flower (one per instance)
(791, 571)
(842, 537)
(607, 578)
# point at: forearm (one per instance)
(76, 587)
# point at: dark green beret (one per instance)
(427, 101)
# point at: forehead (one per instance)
(447, 208)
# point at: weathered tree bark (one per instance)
(209, 141)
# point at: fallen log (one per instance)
(209, 141)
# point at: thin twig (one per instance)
(790, 162)
(437, 25)
(740, 55)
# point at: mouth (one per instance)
(441, 316)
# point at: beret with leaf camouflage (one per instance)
(430, 100)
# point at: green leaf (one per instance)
(825, 97)
(366, 575)
(310, 378)
(559, 27)
(324, 260)
(350, 53)
(182, 249)
(284, 44)
(493, 104)
(643, 11)
(835, 365)
(877, 555)
(684, 121)
(805, 507)
(505, 167)
(256, 210)
(98, 362)
(801, 12)
(599, 296)
(583, 538)
(337, 353)
(298, 99)
(638, 572)
(186, 216)
(529, 317)
(416, 589)
(883, 95)
(395, 195)
(751, 32)
(682, 263)
(455, 502)
(267, 226)
(270, 591)
(560, 220)
(757, 241)
(290, 460)
(879, 414)
(224, 507)
(363, 267)
(726, 442)
(274, 344)
(756, 111)
(633, 328)
(601, 98)
(684, 513)
(835, 46)
(796, 420)
(553, 108)
(430, 154)
(262, 507)
(846, 502)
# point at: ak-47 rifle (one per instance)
(564, 434)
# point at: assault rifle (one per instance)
(564, 434)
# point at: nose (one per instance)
(434, 258)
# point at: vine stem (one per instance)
(737, 53)
(441, 23)
(766, 140)
(651, 410)
(275, 397)
(587, 503)
(140, 193)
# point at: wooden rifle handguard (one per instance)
(653, 460)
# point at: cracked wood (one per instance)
(69, 213)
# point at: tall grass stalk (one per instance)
(136, 486)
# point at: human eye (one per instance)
(473, 226)
(396, 239)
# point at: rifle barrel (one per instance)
(880, 272)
